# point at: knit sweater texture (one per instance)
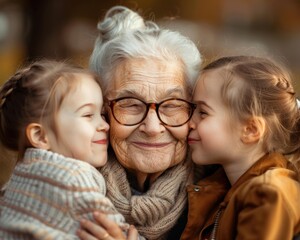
(48, 194)
(156, 211)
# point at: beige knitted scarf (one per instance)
(156, 211)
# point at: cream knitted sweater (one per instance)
(48, 194)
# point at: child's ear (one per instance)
(36, 135)
(253, 130)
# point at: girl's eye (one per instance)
(89, 115)
(202, 114)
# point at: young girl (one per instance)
(50, 113)
(246, 120)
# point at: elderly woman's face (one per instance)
(150, 146)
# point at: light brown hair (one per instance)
(255, 86)
(34, 95)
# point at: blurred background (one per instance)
(66, 29)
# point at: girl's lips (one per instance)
(150, 145)
(101, 141)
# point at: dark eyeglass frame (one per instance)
(153, 105)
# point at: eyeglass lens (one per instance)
(131, 111)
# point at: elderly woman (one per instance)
(147, 79)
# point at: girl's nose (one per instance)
(103, 125)
(192, 124)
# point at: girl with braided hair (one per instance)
(51, 114)
(247, 120)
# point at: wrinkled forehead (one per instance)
(150, 79)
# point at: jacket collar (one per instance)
(270, 160)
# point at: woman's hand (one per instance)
(104, 229)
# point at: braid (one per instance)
(7, 89)
(266, 90)
(27, 98)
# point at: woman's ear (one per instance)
(36, 135)
(253, 130)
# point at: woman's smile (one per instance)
(151, 145)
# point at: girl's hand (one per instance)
(104, 229)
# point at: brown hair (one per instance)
(257, 86)
(34, 94)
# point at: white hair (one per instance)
(123, 34)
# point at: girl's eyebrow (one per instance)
(83, 106)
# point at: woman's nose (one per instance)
(151, 124)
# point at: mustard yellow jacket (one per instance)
(263, 204)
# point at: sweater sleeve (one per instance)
(48, 194)
(88, 195)
(264, 214)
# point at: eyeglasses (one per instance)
(131, 111)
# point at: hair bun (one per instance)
(119, 20)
